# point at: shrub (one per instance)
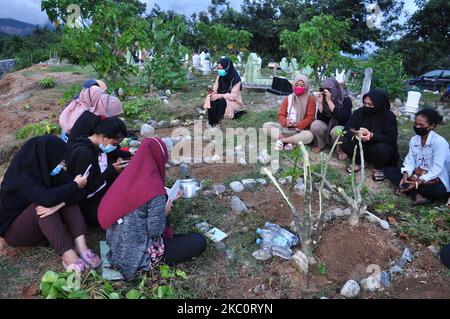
(37, 129)
(47, 83)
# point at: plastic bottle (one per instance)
(273, 237)
(280, 251)
(293, 239)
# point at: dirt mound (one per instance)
(348, 251)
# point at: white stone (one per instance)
(237, 206)
(261, 181)
(237, 187)
(242, 161)
(262, 255)
(282, 181)
(264, 158)
(147, 130)
(168, 93)
(289, 179)
(175, 123)
(434, 250)
(371, 283)
(301, 262)
(351, 289)
(398, 102)
(249, 183)
(218, 189)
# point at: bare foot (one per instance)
(316, 149)
(420, 200)
(342, 156)
(69, 257)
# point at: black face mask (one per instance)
(421, 131)
(370, 110)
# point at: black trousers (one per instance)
(431, 192)
(379, 154)
(217, 110)
(89, 208)
(183, 248)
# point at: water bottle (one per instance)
(272, 237)
(293, 239)
(266, 245)
(282, 251)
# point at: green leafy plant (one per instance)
(388, 72)
(146, 109)
(37, 129)
(69, 94)
(47, 83)
(322, 269)
(61, 286)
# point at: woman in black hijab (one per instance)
(378, 126)
(225, 100)
(37, 203)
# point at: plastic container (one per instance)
(293, 239)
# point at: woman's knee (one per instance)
(198, 242)
(318, 127)
(382, 152)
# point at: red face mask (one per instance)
(298, 90)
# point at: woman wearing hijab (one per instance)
(135, 224)
(38, 203)
(294, 118)
(424, 176)
(334, 111)
(225, 99)
(93, 99)
(89, 83)
(93, 151)
(378, 126)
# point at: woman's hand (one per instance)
(404, 179)
(216, 96)
(328, 96)
(47, 211)
(291, 124)
(118, 166)
(411, 186)
(81, 181)
(169, 206)
(318, 96)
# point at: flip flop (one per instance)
(288, 147)
(350, 168)
(91, 259)
(378, 175)
(79, 266)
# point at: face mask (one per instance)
(108, 149)
(421, 131)
(56, 170)
(298, 90)
(222, 72)
(369, 110)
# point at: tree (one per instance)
(114, 29)
(321, 40)
(426, 43)
(221, 40)
(57, 10)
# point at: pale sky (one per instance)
(30, 10)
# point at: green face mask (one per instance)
(222, 72)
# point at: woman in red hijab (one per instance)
(133, 212)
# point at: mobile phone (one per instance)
(86, 173)
(404, 186)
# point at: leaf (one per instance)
(133, 294)
(50, 277)
(181, 274)
(321, 268)
(165, 271)
(114, 295)
(165, 292)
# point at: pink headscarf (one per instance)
(142, 180)
(93, 99)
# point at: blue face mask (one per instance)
(56, 170)
(108, 149)
(222, 72)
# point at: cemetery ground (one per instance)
(228, 270)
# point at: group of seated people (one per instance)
(320, 117)
(54, 187)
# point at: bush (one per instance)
(69, 94)
(47, 83)
(37, 129)
(146, 109)
(388, 72)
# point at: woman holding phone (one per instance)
(424, 176)
(90, 157)
(334, 108)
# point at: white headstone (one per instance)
(295, 66)
(196, 60)
(284, 65)
(412, 104)
(340, 76)
(367, 81)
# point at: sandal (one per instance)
(378, 175)
(350, 168)
(79, 266)
(91, 259)
(288, 147)
(278, 146)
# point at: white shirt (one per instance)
(433, 157)
(292, 113)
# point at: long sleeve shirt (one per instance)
(303, 123)
(433, 157)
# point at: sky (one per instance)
(30, 10)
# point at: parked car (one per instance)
(435, 80)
